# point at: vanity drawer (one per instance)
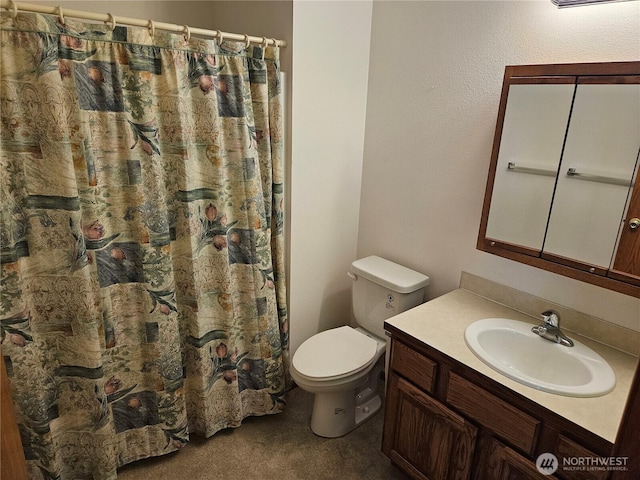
(506, 421)
(417, 368)
(577, 456)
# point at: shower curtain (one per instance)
(142, 282)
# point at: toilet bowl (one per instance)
(342, 366)
(346, 385)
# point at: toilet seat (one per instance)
(334, 353)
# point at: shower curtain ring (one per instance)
(14, 9)
(187, 33)
(60, 15)
(219, 36)
(275, 42)
(247, 41)
(152, 28)
(112, 22)
(265, 42)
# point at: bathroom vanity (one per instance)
(450, 416)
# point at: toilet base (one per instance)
(368, 409)
(336, 414)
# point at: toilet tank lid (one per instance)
(390, 275)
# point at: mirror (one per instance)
(562, 193)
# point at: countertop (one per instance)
(441, 323)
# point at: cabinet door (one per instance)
(626, 266)
(13, 464)
(597, 167)
(517, 467)
(567, 449)
(429, 440)
(535, 121)
(499, 462)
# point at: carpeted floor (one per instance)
(275, 447)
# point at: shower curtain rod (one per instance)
(112, 20)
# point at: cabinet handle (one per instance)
(512, 167)
(598, 178)
(634, 223)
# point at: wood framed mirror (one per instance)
(562, 191)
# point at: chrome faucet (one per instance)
(550, 329)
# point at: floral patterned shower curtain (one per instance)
(142, 282)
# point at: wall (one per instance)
(434, 87)
(194, 13)
(329, 91)
(273, 19)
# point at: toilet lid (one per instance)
(334, 352)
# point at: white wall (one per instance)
(329, 92)
(193, 13)
(434, 86)
(272, 18)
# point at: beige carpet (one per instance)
(275, 447)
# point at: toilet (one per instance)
(342, 366)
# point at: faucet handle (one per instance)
(551, 317)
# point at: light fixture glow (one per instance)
(579, 3)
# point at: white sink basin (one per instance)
(511, 348)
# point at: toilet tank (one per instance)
(382, 289)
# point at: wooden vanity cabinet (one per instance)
(444, 421)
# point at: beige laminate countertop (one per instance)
(441, 323)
